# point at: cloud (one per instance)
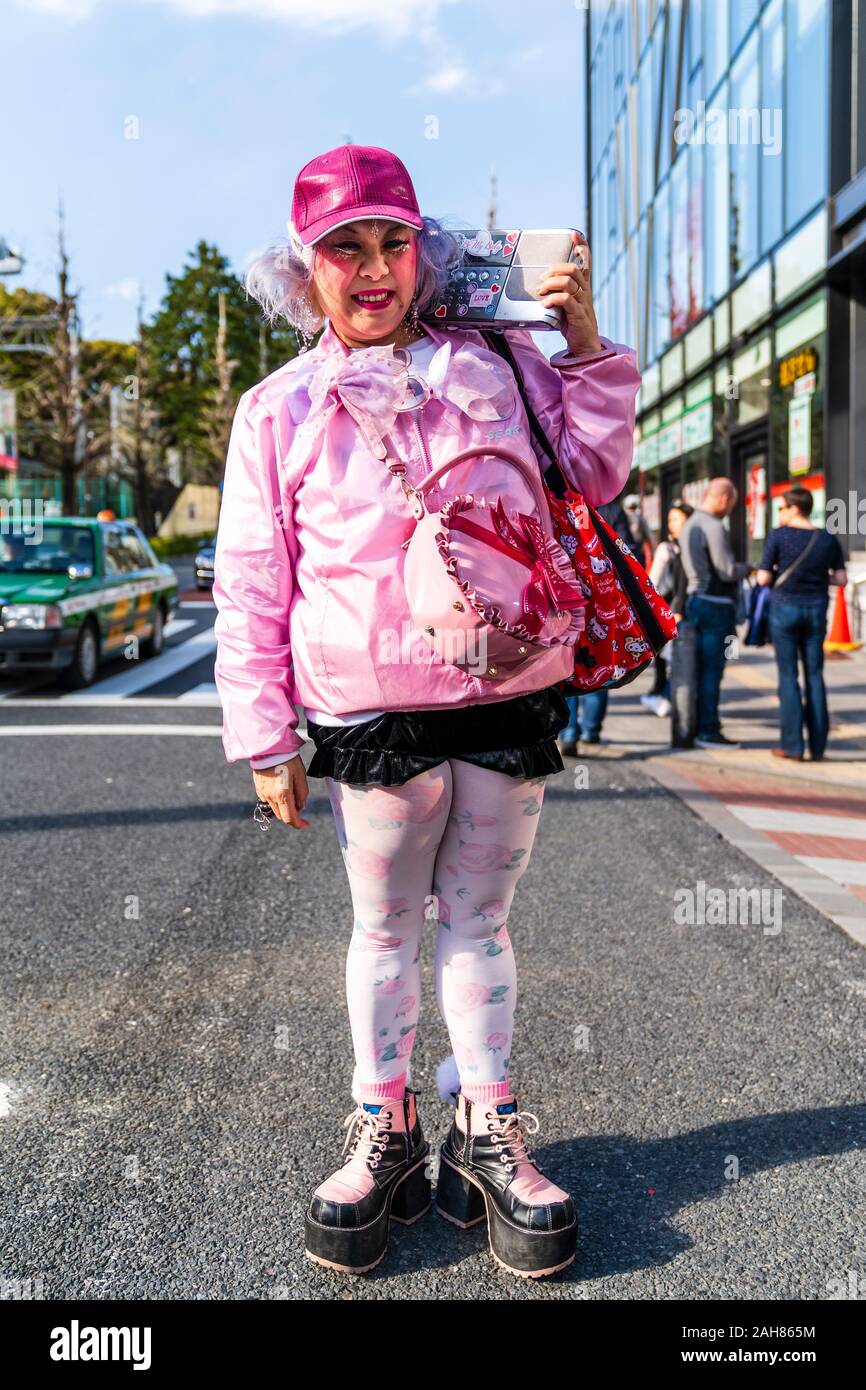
(73, 9)
(395, 19)
(452, 78)
(448, 79)
(123, 289)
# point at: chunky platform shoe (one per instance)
(382, 1179)
(485, 1173)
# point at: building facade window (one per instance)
(772, 100)
(805, 107)
(744, 136)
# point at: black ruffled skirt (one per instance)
(517, 737)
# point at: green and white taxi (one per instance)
(75, 591)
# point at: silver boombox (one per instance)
(493, 286)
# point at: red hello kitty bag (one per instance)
(627, 620)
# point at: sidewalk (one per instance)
(803, 822)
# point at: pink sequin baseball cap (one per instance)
(348, 183)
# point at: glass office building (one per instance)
(725, 150)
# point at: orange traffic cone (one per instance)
(839, 639)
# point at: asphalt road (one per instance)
(175, 1061)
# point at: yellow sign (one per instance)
(795, 365)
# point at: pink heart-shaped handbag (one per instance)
(491, 591)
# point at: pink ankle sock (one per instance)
(483, 1095)
(372, 1091)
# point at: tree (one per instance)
(206, 347)
(137, 435)
(64, 396)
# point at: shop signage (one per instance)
(649, 453)
(797, 364)
(805, 385)
(698, 426)
(670, 439)
(756, 502)
(799, 435)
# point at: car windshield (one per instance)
(45, 549)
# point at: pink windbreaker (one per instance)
(308, 574)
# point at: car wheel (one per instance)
(85, 660)
(155, 643)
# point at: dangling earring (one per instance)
(305, 328)
(410, 318)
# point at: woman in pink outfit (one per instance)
(435, 775)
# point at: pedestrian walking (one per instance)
(435, 777)
(669, 578)
(800, 561)
(641, 539)
(713, 577)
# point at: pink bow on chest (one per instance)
(372, 385)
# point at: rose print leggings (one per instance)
(446, 847)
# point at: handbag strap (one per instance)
(527, 472)
(794, 563)
(553, 475)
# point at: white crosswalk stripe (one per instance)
(203, 694)
(800, 822)
(151, 672)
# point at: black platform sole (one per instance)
(357, 1249)
(461, 1198)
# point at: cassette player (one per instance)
(492, 286)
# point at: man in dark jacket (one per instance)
(713, 578)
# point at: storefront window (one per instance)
(646, 126)
(772, 100)
(680, 294)
(696, 157)
(806, 107)
(753, 378)
(743, 12)
(662, 270)
(650, 502)
(744, 155)
(715, 41)
(798, 408)
(697, 471)
(716, 213)
(695, 35)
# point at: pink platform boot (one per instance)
(485, 1173)
(383, 1178)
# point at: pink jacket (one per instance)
(308, 568)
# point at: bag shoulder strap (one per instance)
(553, 476)
(631, 587)
(794, 563)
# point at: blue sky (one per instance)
(230, 99)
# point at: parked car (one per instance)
(204, 565)
(74, 591)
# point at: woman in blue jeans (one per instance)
(803, 560)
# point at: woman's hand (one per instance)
(567, 285)
(285, 790)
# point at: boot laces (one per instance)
(367, 1134)
(510, 1139)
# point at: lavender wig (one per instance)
(281, 280)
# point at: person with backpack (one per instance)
(435, 775)
(800, 561)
